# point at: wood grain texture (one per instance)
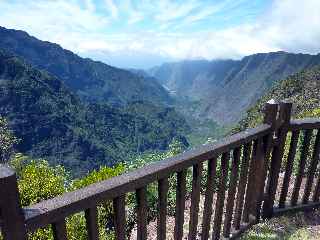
(91, 216)
(301, 167)
(119, 206)
(163, 186)
(289, 166)
(220, 196)
(207, 212)
(312, 169)
(59, 230)
(231, 192)
(12, 218)
(242, 184)
(195, 198)
(142, 209)
(180, 204)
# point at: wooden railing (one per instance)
(250, 163)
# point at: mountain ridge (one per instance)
(302, 89)
(225, 89)
(92, 80)
(53, 123)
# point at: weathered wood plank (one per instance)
(266, 146)
(231, 192)
(250, 185)
(288, 209)
(91, 216)
(276, 160)
(59, 230)
(302, 163)
(163, 186)
(242, 185)
(119, 206)
(207, 212)
(12, 219)
(312, 169)
(195, 198)
(180, 204)
(142, 209)
(221, 195)
(303, 124)
(289, 166)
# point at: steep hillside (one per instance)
(53, 123)
(90, 79)
(302, 89)
(225, 89)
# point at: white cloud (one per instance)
(135, 16)
(168, 11)
(112, 8)
(289, 25)
(89, 4)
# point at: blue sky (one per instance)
(143, 33)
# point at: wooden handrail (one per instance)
(51, 210)
(260, 151)
(304, 124)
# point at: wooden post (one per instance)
(12, 217)
(264, 147)
(281, 130)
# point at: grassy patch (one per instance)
(292, 227)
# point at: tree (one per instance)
(7, 141)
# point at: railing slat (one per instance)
(231, 192)
(302, 163)
(91, 216)
(312, 169)
(163, 186)
(242, 185)
(289, 166)
(263, 155)
(207, 212)
(59, 230)
(142, 209)
(119, 205)
(221, 195)
(250, 185)
(316, 193)
(195, 198)
(180, 204)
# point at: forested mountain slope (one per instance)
(53, 123)
(225, 89)
(90, 79)
(302, 89)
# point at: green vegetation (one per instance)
(300, 226)
(7, 141)
(54, 124)
(38, 181)
(205, 131)
(91, 80)
(302, 89)
(225, 89)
